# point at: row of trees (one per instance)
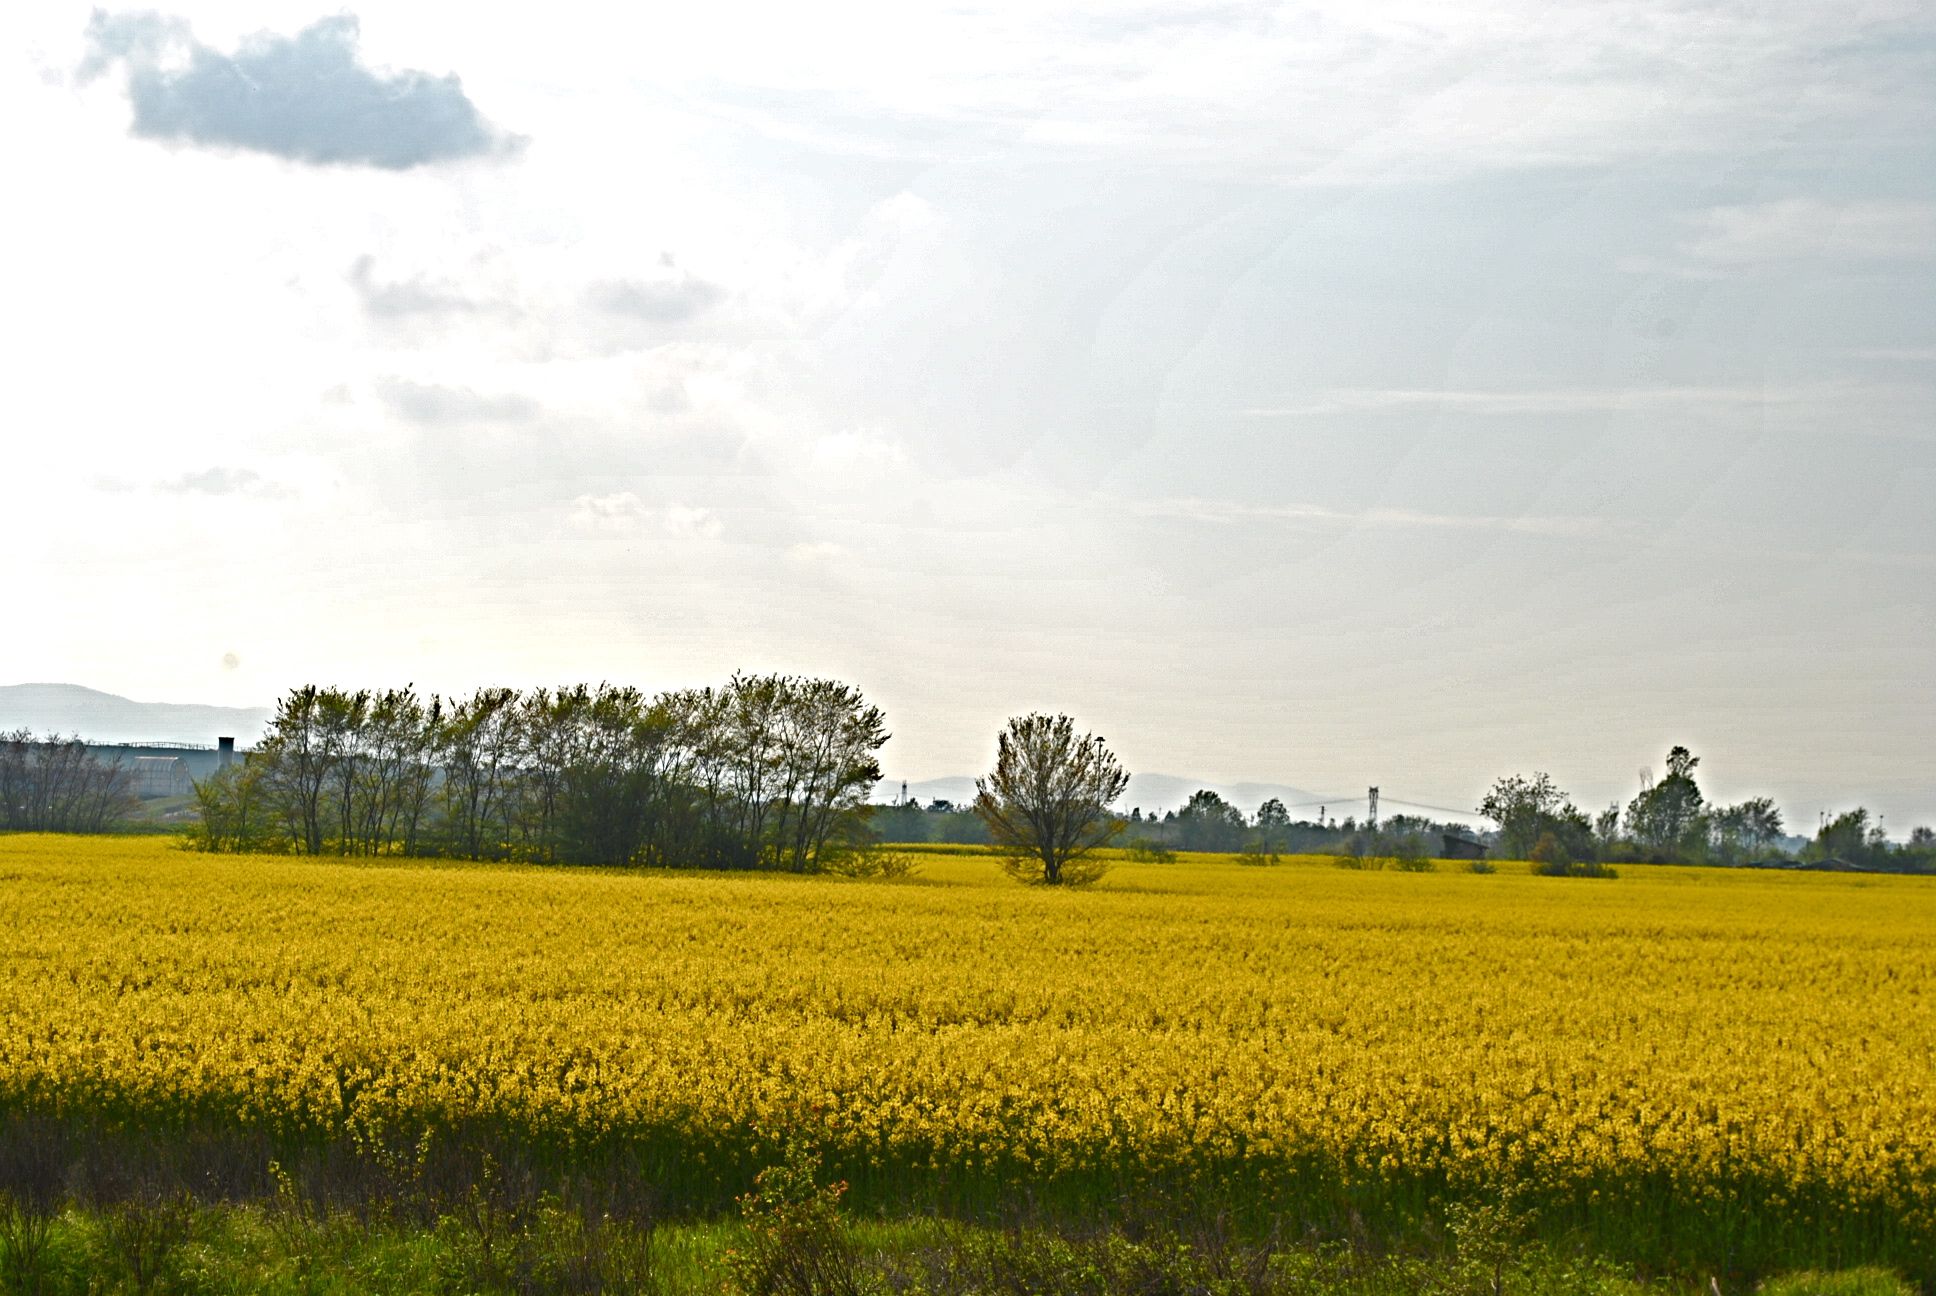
(1206, 822)
(55, 784)
(1672, 822)
(1048, 805)
(769, 771)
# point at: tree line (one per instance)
(774, 771)
(55, 784)
(1671, 821)
(1206, 822)
(765, 772)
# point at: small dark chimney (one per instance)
(226, 747)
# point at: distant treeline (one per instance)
(772, 771)
(1671, 821)
(1206, 822)
(768, 771)
(55, 784)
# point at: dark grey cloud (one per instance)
(429, 403)
(305, 97)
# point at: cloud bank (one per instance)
(305, 97)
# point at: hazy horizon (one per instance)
(1322, 394)
(1151, 790)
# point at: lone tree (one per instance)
(1047, 803)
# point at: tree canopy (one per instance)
(1047, 801)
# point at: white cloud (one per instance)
(1811, 229)
(420, 294)
(434, 404)
(624, 513)
(242, 482)
(817, 553)
(689, 523)
(620, 511)
(671, 294)
(857, 452)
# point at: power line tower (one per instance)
(1371, 819)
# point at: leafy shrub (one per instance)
(25, 1233)
(1547, 850)
(1574, 869)
(1408, 855)
(1489, 1242)
(1148, 850)
(1029, 1262)
(1481, 866)
(541, 1245)
(797, 1242)
(144, 1232)
(1258, 851)
(237, 812)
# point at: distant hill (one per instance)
(1148, 792)
(105, 718)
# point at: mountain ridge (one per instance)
(96, 716)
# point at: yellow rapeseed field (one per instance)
(1749, 1042)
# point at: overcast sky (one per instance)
(1330, 394)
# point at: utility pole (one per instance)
(1371, 819)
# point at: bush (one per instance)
(236, 813)
(1147, 850)
(1408, 855)
(1481, 866)
(144, 1231)
(1489, 1242)
(25, 1235)
(1258, 851)
(1573, 868)
(797, 1242)
(1547, 850)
